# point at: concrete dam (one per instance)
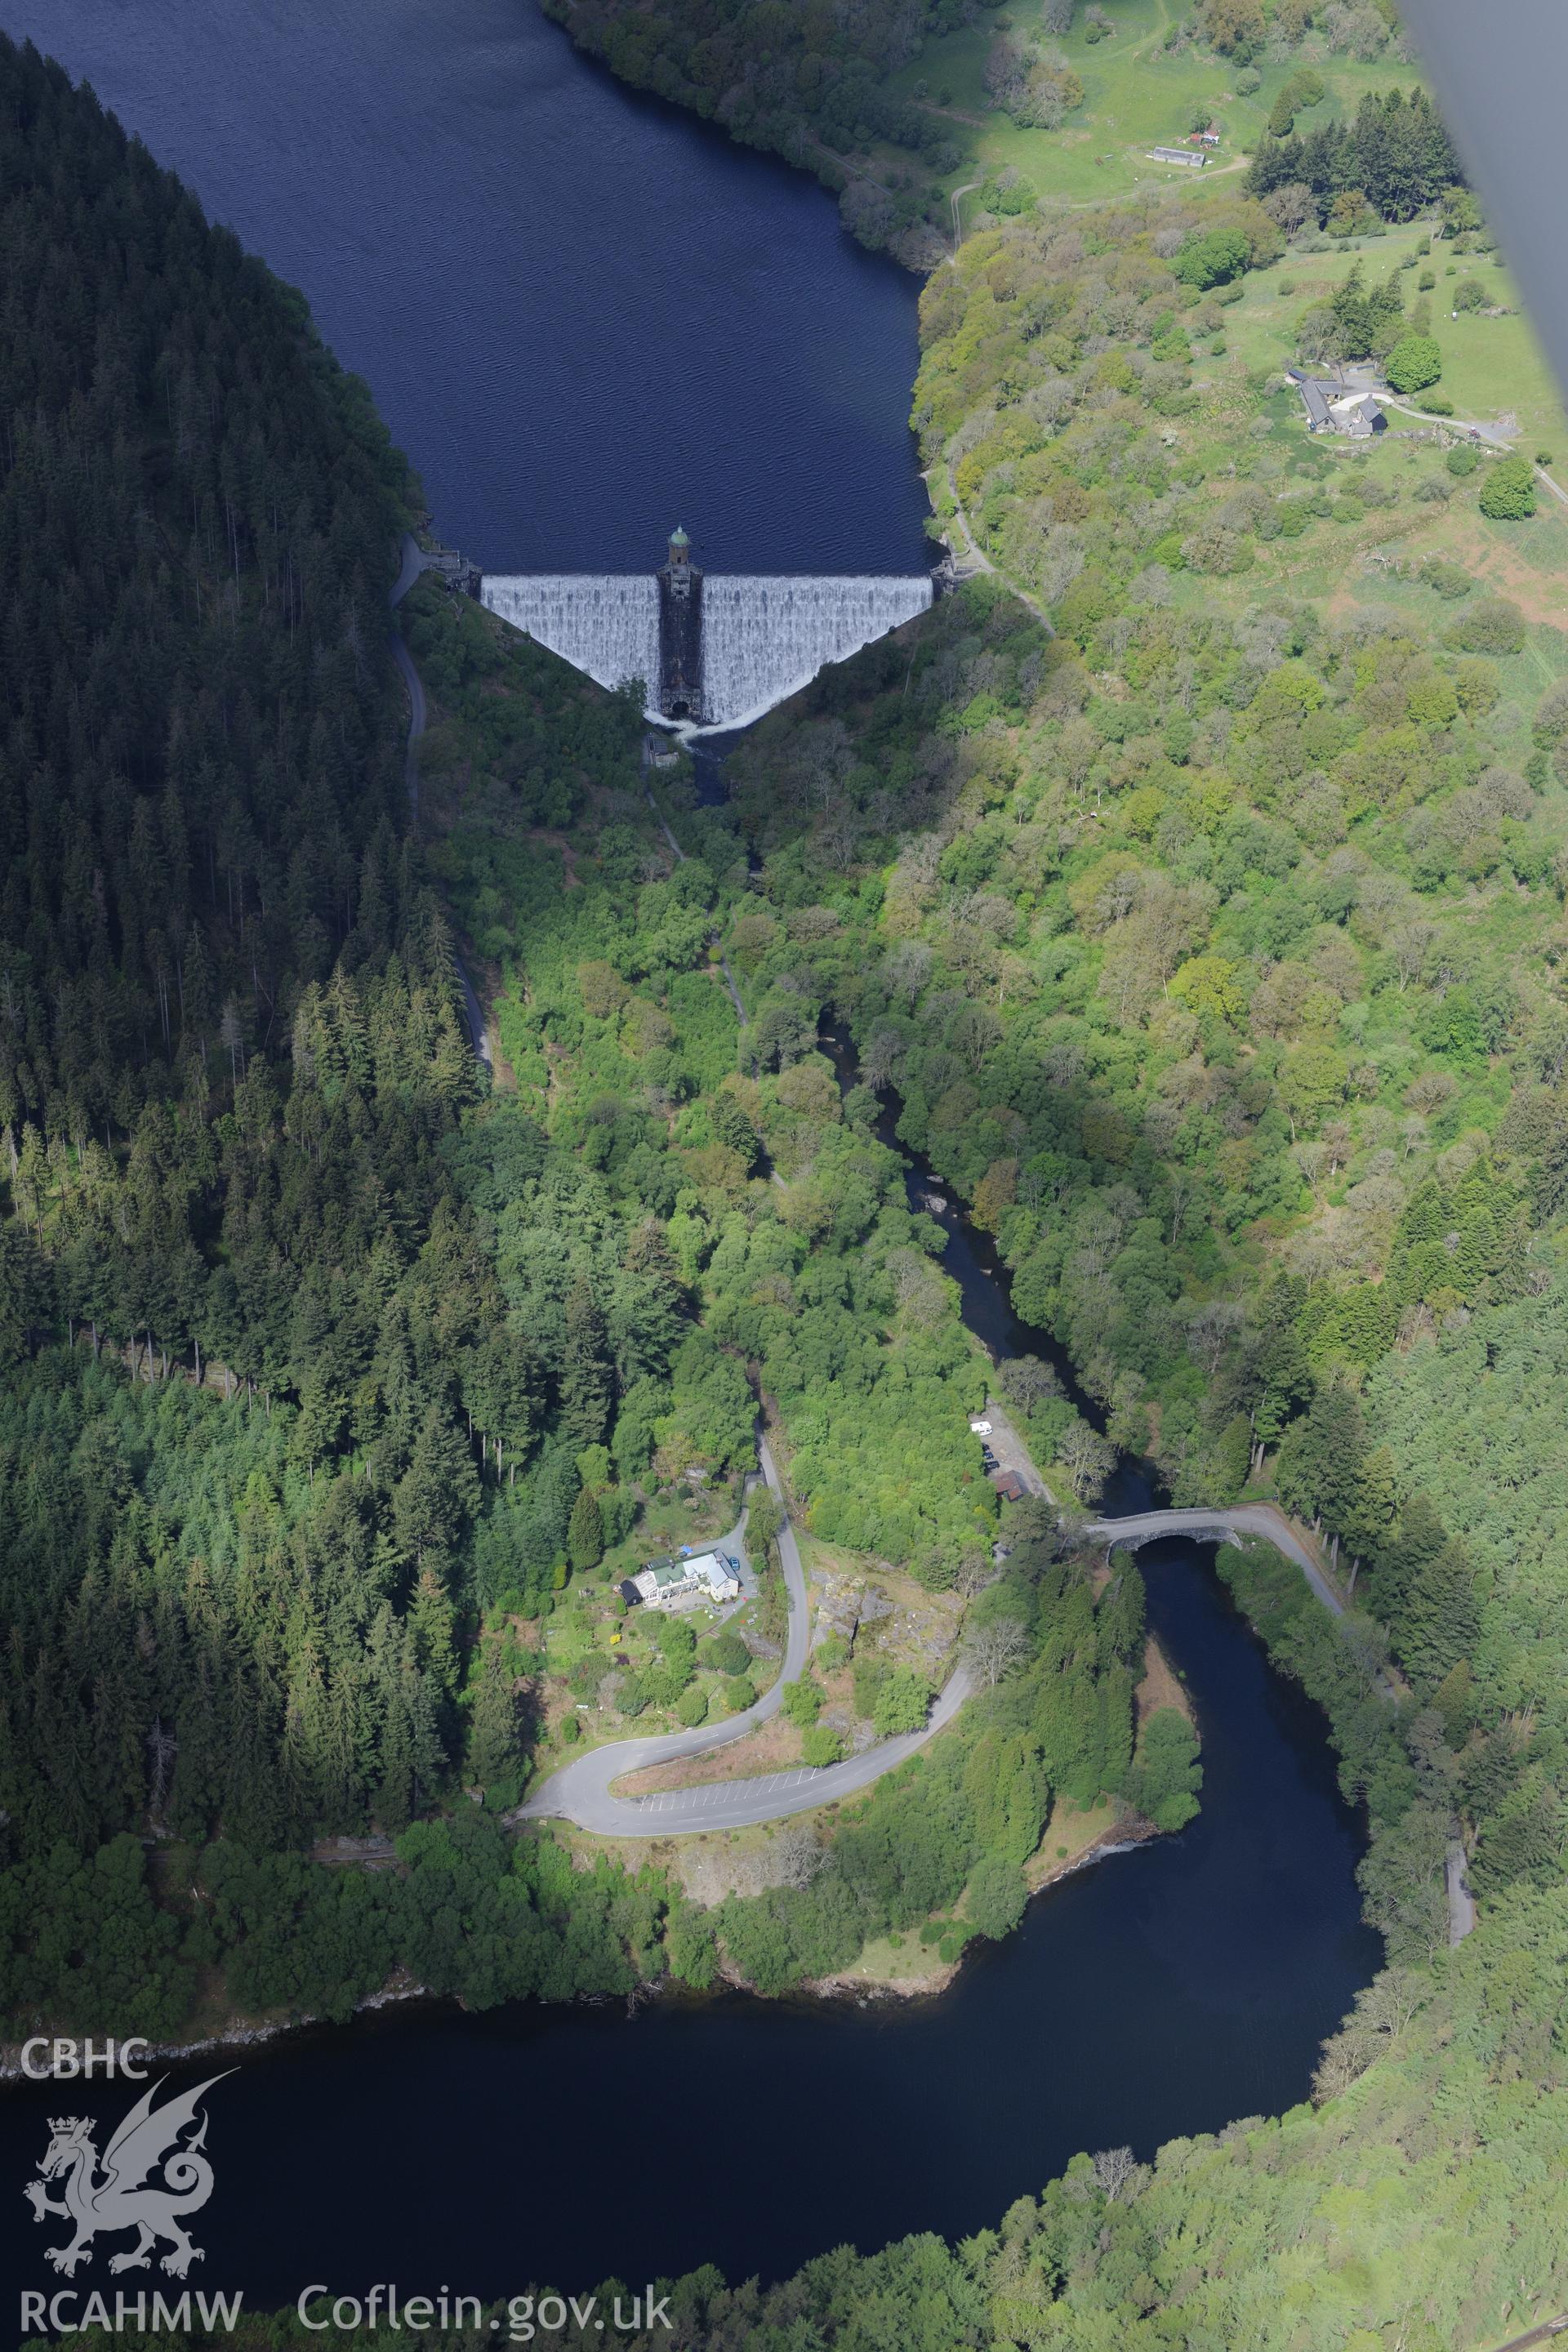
(713, 650)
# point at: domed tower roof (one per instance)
(677, 537)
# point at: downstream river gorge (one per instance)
(587, 319)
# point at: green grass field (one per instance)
(1492, 368)
(1494, 371)
(1136, 96)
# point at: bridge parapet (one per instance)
(1151, 1527)
(1133, 1535)
(1263, 1520)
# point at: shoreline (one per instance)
(1118, 1837)
(235, 2036)
(1115, 1838)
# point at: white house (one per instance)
(676, 1583)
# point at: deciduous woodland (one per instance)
(1210, 938)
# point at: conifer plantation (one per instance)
(261, 1404)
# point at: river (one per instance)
(587, 318)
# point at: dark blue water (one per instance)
(586, 316)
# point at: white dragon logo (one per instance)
(121, 2199)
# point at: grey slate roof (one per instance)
(1315, 397)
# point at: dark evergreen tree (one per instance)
(586, 1535)
(1439, 1622)
(587, 1376)
(494, 1751)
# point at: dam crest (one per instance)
(713, 650)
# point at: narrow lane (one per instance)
(1462, 1902)
(582, 1791)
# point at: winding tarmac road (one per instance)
(1457, 1887)
(412, 566)
(582, 1790)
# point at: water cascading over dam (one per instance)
(715, 649)
(604, 624)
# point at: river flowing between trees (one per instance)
(588, 318)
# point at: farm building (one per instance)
(1194, 157)
(1331, 409)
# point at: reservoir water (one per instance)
(587, 319)
(586, 316)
